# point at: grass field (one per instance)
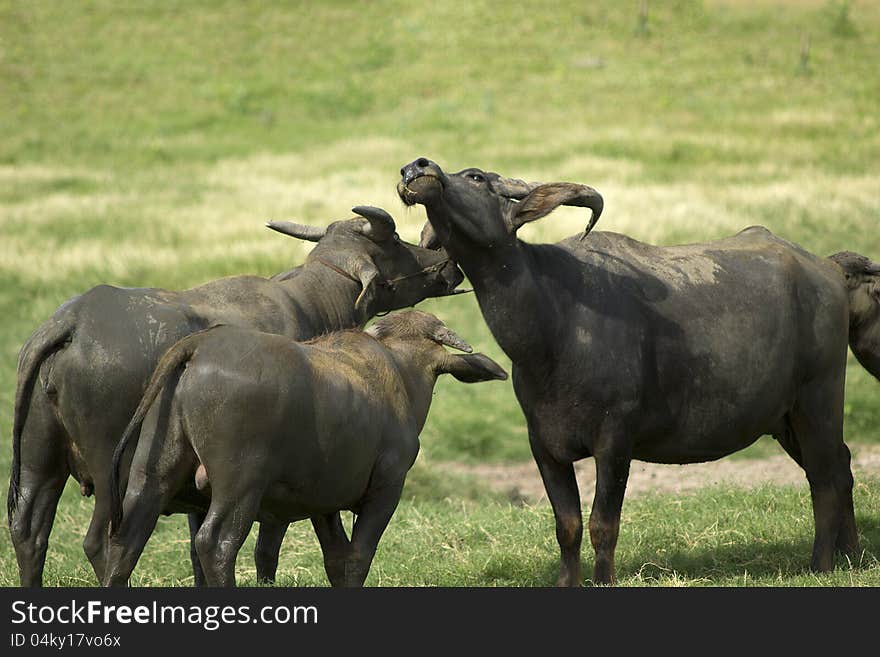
(146, 144)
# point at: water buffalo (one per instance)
(623, 350)
(81, 373)
(325, 425)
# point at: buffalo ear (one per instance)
(428, 238)
(360, 269)
(542, 200)
(367, 273)
(472, 368)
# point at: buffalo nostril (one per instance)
(422, 163)
(403, 172)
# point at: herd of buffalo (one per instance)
(251, 399)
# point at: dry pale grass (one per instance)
(661, 213)
(10, 175)
(238, 195)
(762, 4)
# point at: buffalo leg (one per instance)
(374, 517)
(43, 473)
(847, 537)
(224, 531)
(817, 420)
(95, 541)
(144, 500)
(334, 545)
(825, 503)
(31, 522)
(561, 486)
(268, 548)
(195, 520)
(158, 472)
(612, 472)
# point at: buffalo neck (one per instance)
(326, 297)
(418, 377)
(510, 294)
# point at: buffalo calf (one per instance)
(282, 431)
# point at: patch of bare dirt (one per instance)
(521, 481)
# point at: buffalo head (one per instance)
(862, 279)
(420, 337)
(392, 273)
(482, 207)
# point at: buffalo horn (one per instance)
(299, 231)
(447, 336)
(381, 224)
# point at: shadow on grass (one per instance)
(760, 562)
(782, 560)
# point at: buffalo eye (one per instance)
(477, 177)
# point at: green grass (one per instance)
(718, 536)
(146, 144)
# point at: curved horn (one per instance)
(543, 199)
(381, 224)
(593, 200)
(445, 335)
(299, 231)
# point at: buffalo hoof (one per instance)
(567, 580)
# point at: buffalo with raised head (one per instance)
(326, 425)
(622, 350)
(82, 372)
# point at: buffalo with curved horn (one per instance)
(623, 350)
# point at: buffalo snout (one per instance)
(417, 168)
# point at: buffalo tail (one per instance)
(46, 340)
(174, 359)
